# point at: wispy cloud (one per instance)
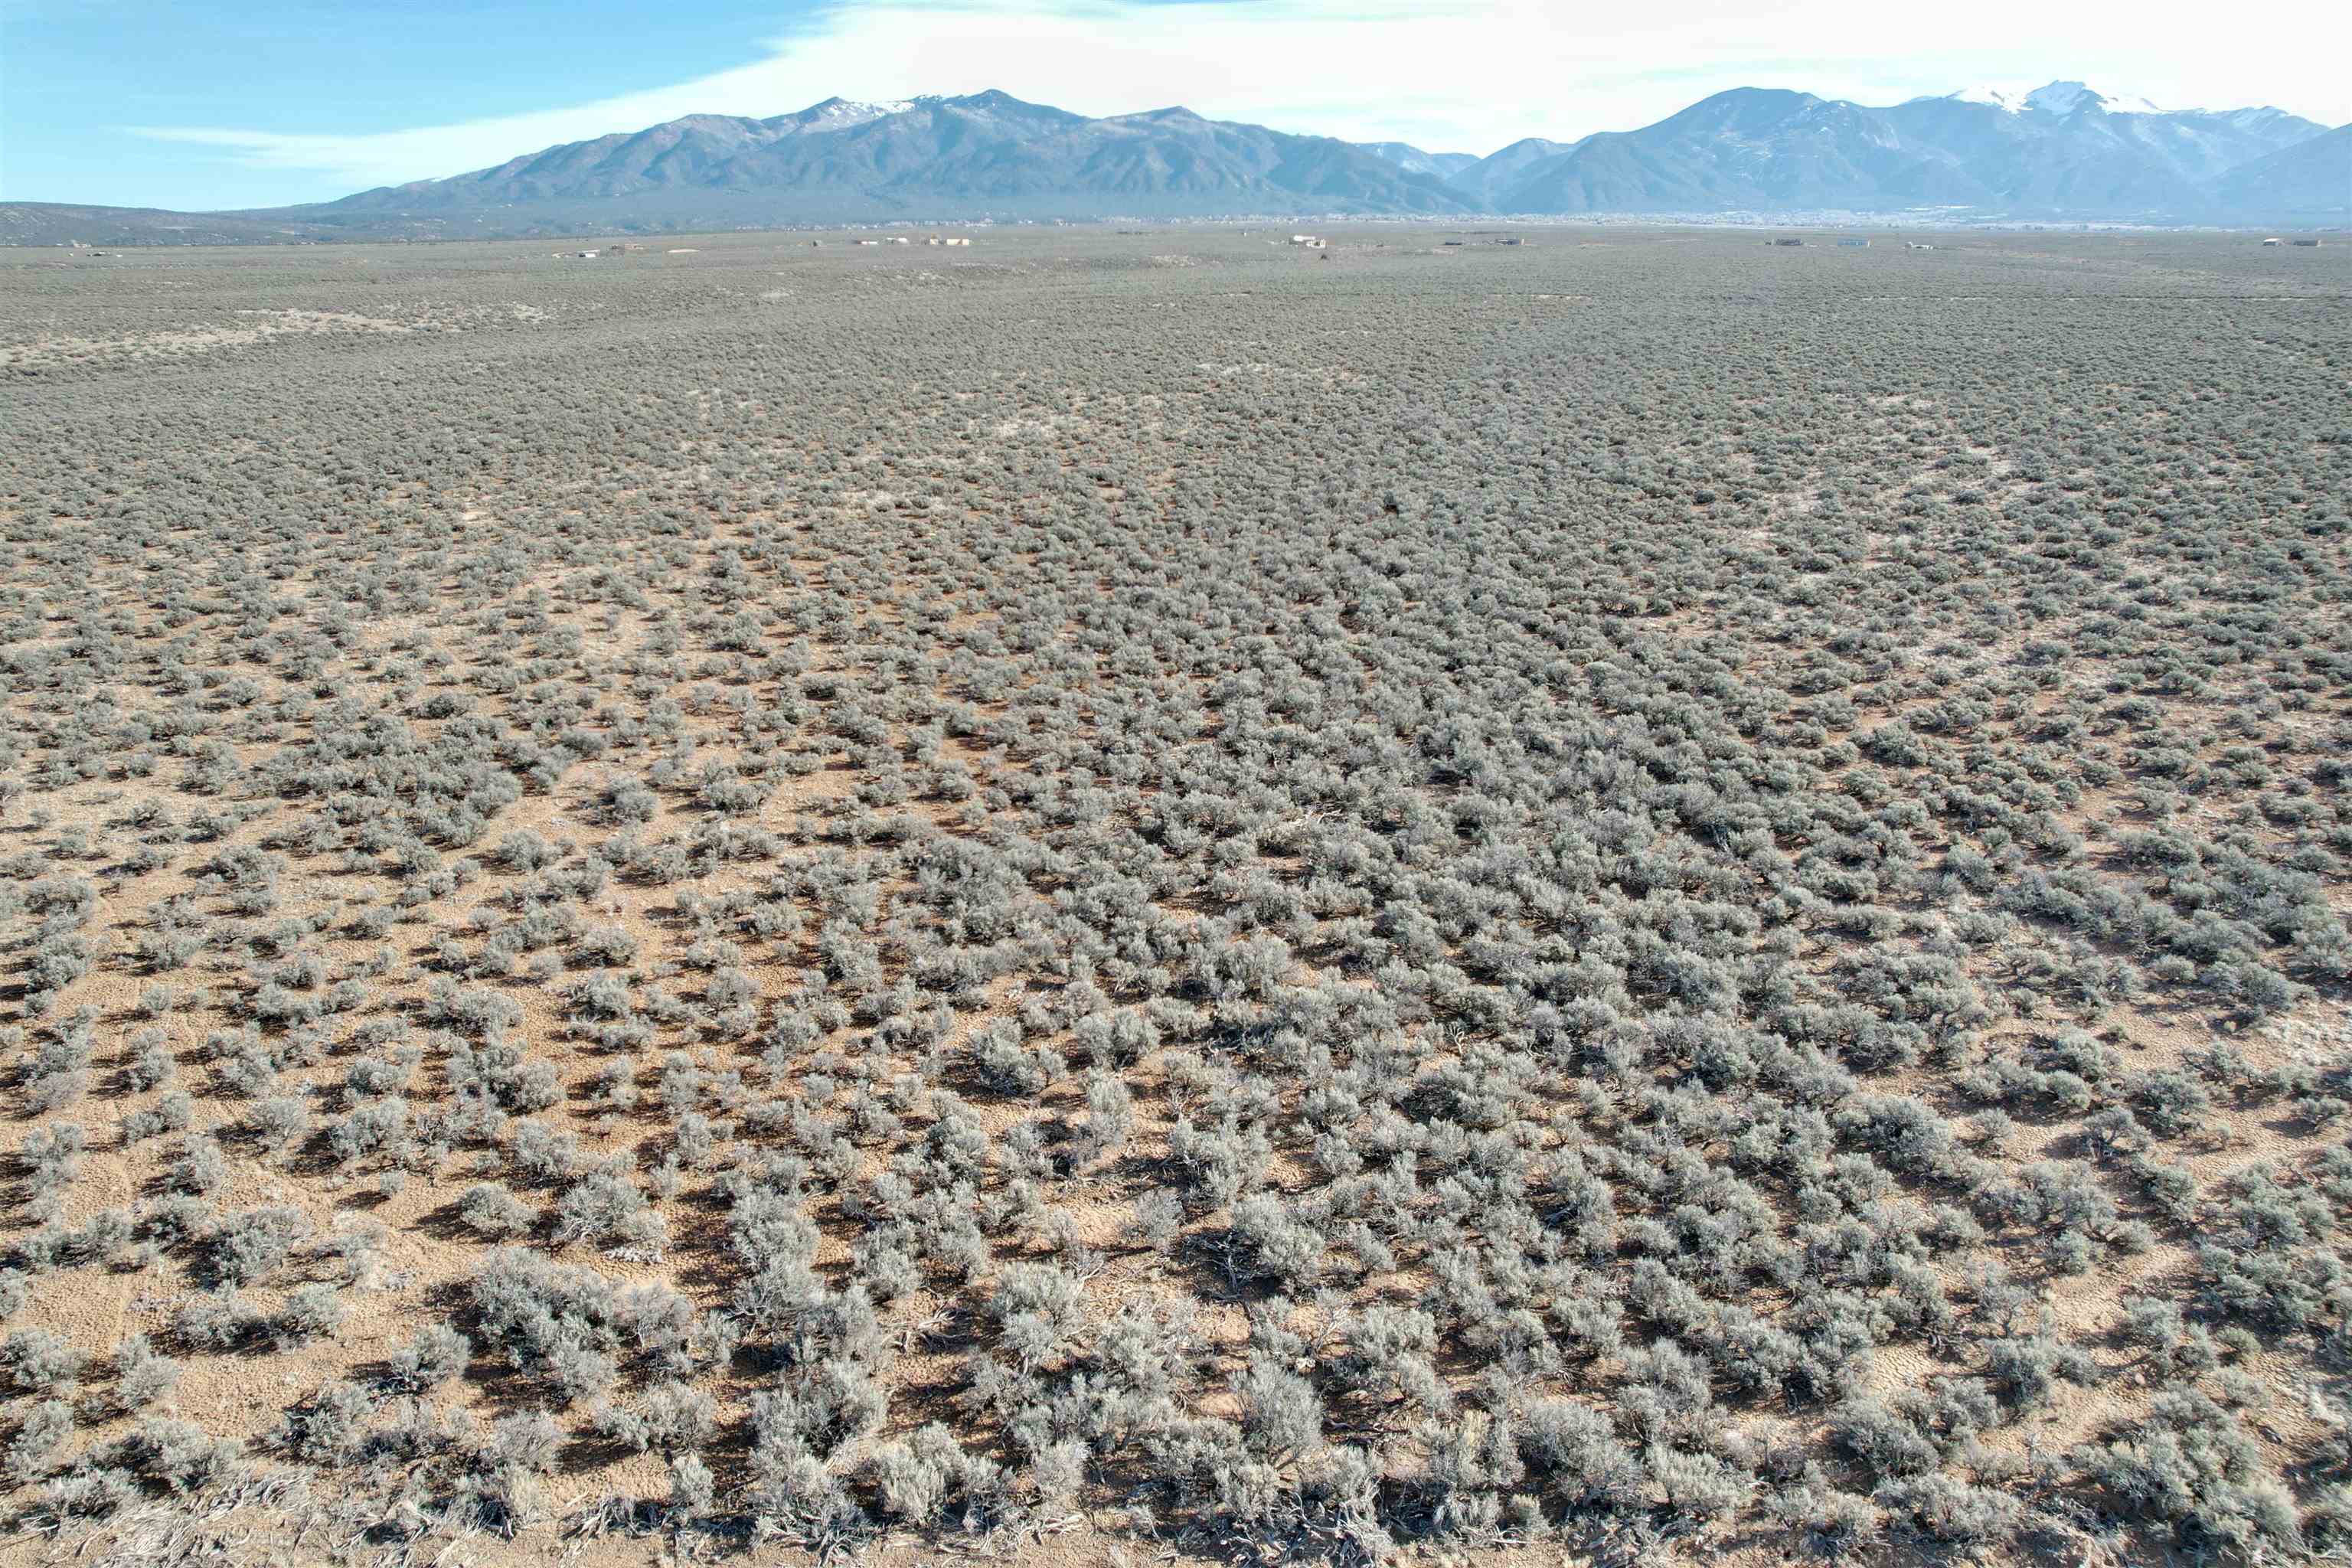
(1467, 75)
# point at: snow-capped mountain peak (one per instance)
(845, 109)
(2066, 96)
(2009, 98)
(2058, 98)
(836, 114)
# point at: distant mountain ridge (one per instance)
(2305, 180)
(988, 153)
(2058, 150)
(2064, 150)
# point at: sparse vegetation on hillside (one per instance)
(1634, 895)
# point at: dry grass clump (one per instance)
(1294, 912)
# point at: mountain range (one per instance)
(2062, 151)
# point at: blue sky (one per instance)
(200, 104)
(75, 78)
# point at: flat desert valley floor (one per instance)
(1102, 897)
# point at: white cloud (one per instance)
(1453, 74)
